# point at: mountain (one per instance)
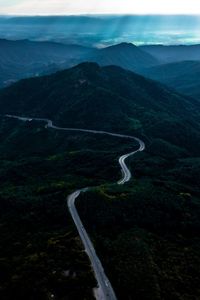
(182, 76)
(177, 53)
(110, 98)
(101, 29)
(150, 226)
(24, 58)
(125, 55)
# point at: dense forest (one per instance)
(147, 232)
(41, 254)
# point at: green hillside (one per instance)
(109, 98)
(146, 232)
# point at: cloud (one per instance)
(62, 7)
(36, 7)
(46, 7)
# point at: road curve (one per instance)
(105, 290)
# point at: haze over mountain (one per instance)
(125, 55)
(103, 30)
(20, 59)
(173, 53)
(182, 76)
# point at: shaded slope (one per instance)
(174, 53)
(109, 98)
(23, 58)
(125, 55)
(182, 76)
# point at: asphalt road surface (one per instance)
(105, 290)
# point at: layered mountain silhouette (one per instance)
(183, 76)
(21, 59)
(173, 53)
(125, 55)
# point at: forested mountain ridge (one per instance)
(110, 98)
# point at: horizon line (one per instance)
(97, 14)
(106, 46)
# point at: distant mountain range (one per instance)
(125, 55)
(91, 30)
(182, 76)
(23, 59)
(168, 54)
(110, 98)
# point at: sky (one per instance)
(66, 7)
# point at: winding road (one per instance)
(105, 290)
